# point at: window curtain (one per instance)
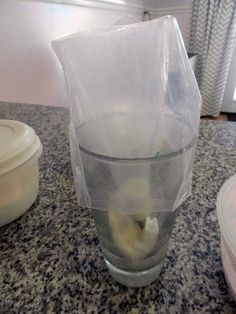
(212, 38)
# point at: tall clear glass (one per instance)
(133, 199)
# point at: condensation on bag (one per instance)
(134, 116)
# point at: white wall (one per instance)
(229, 101)
(155, 4)
(29, 70)
(181, 9)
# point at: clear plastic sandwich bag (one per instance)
(135, 109)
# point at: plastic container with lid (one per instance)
(20, 149)
(226, 212)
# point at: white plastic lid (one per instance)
(226, 211)
(229, 269)
(18, 144)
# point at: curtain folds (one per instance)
(212, 37)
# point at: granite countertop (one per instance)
(50, 259)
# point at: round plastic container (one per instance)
(20, 149)
(226, 212)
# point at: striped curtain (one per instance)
(212, 37)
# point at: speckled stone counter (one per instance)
(50, 259)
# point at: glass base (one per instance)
(134, 279)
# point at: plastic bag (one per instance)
(134, 116)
